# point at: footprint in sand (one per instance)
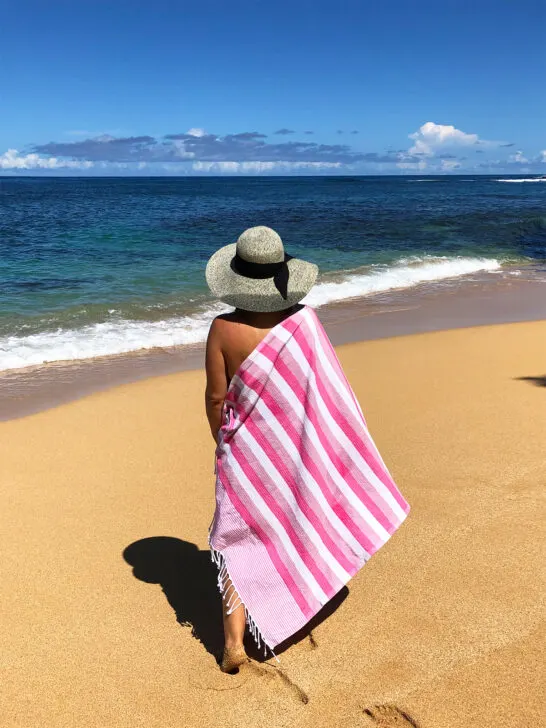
(389, 716)
(272, 672)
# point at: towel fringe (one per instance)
(235, 601)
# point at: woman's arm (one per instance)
(217, 385)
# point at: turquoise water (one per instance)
(99, 266)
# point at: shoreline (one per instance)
(377, 316)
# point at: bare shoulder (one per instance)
(220, 327)
(224, 319)
(223, 322)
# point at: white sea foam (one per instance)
(405, 274)
(525, 179)
(118, 335)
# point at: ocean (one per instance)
(99, 266)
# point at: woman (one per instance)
(303, 498)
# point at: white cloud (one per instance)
(542, 156)
(431, 137)
(13, 160)
(448, 165)
(412, 165)
(242, 167)
(196, 132)
(259, 166)
(112, 165)
(181, 151)
(104, 138)
(215, 166)
(316, 165)
(518, 158)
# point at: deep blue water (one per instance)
(99, 265)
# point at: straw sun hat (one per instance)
(255, 273)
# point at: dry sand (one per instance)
(445, 622)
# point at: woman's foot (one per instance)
(233, 658)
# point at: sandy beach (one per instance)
(106, 503)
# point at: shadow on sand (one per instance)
(537, 381)
(187, 577)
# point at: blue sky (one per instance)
(249, 87)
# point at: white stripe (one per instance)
(382, 490)
(283, 334)
(341, 387)
(331, 469)
(333, 375)
(309, 428)
(275, 524)
(292, 451)
(302, 520)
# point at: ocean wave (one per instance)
(119, 336)
(408, 272)
(525, 179)
(116, 336)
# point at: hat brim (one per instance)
(257, 294)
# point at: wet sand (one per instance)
(106, 503)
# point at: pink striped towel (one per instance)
(303, 497)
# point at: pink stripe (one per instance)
(312, 464)
(280, 408)
(246, 498)
(334, 361)
(343, 463)
(366, 451)
(282, 518)
(287, 372)
(271, 550)
(303, 495)
(282, 414)
(372, 456)
(381, 509)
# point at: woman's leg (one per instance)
(234, 629)
(234, 619)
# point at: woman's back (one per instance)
(232, 337)
(240, 333)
